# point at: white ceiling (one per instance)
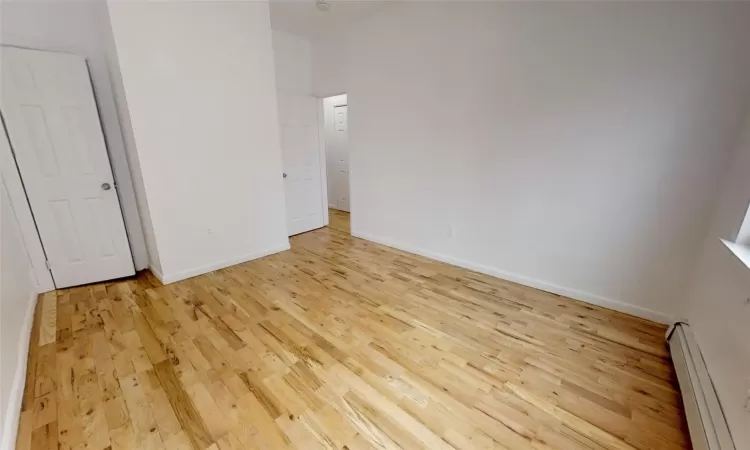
(304, 19)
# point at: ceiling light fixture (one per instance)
(322, 5)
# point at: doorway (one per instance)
(336, 135)
(339, 220)
(315, 150)
(55, 137)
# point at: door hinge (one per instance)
(49, 266)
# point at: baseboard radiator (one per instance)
(705, 418)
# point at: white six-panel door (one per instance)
(339, 145)
(298, 121)
(52, 121)
(337, 151)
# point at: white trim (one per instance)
(172, 277)
(13, 409)
(575, 294)
(157, 274)
(323, 160)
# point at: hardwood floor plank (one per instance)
(183, 406)
(48, 326)
(263, 395)
(45, 374)
(45, 437)
(33, 355)
(25, 429)
(69, 424)
(343, 343)
(44, 410)
(142, 422)
(150, 342)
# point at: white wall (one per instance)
(18, 293)
(330, 63)
(574, 147)
(719, 287)
(126, 127)
(293, 63)
(74, 27)
(199, 85)
(23, 274)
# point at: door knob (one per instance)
(284, 174)
(106, 186)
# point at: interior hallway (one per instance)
(339, 221)
(343, 343)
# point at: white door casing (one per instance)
(53, 124)
(298, 126)
(337, 153)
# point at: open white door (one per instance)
(52, 121)
(300, 146)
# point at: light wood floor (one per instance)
(339, 220)
(342, 343)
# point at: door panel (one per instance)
(298, 120)
(53, 125)
(338, 142)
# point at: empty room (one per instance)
(303, 224)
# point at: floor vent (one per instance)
(705, 418)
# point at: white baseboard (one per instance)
(587, 297)
(157, 274)
(13, 409)
(177, 276)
